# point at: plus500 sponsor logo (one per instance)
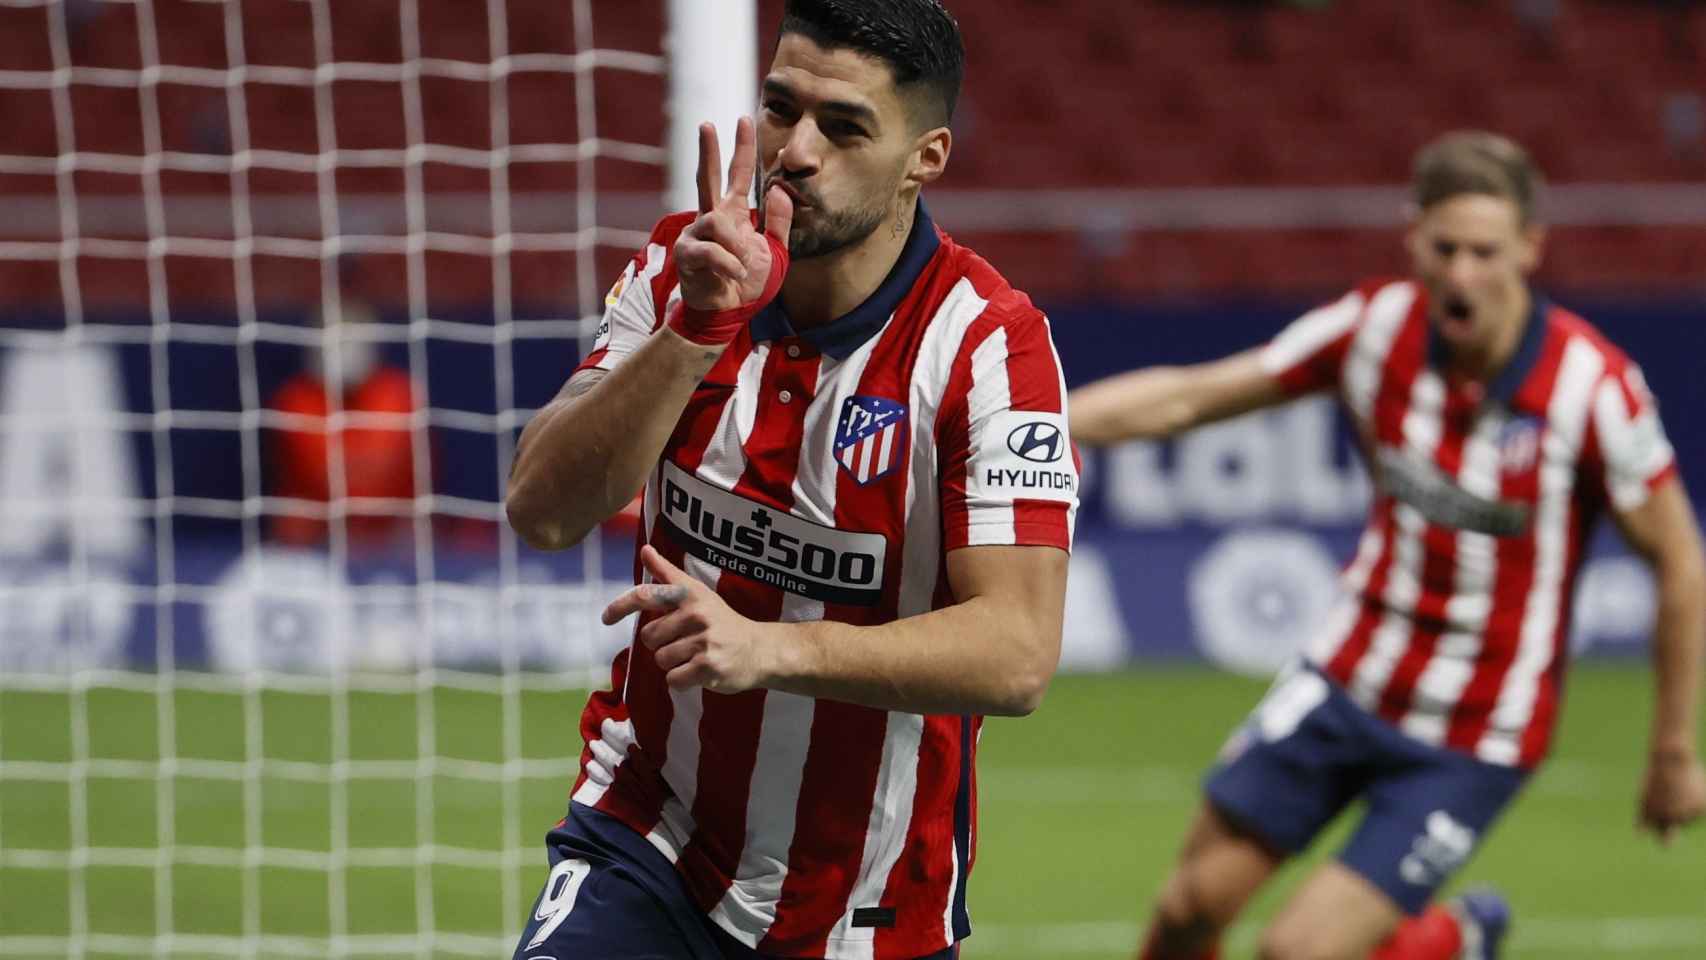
(770, 545)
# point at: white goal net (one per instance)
(280, 281)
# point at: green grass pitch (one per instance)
(1082, 805)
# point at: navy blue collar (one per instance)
(1503, 387)
(846, 333)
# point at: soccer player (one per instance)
(858, 501)
(1498, 426)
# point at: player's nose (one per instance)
(1460, 270)
(802, 153)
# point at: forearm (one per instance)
(1146, 404)
(1679, 657)
(582, 458)
(1158, 402)
(975, 657)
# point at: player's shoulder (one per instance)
(1572, 328)
(962, 273)
(1351, 310)
(1339, 320)
(1400, 292)
(655, 262)
(669, 228)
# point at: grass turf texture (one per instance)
(1083, 805)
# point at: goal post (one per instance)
(713, 56)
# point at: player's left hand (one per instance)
(1673, 793)
(700, 641)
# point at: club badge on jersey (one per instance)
(1519, 443)
(870, 438)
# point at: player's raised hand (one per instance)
(699, 641)
(725, 263)
(1673, 794)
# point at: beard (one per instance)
(825, 231)
(833, 230)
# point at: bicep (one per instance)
(1027, 581)
(1663, 527)
(580, 384)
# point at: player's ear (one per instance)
(930, 155)
(1533, 245)
(1412, 227)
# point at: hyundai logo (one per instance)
(1037, 441)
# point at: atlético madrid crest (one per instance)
(870, 438)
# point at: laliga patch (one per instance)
(870, 438)
(1023, 455)
(601, 337)
(622, 282)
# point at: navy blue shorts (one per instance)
(612, 894)
(1308, 750)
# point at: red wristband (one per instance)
(714, 328)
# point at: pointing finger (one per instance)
(646, 596)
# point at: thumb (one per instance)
(661, 569)
(778, 215)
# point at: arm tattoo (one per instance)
(580, 384)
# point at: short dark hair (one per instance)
(1474, 161)
(918, 39)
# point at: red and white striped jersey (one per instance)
(1454, 624)
(826, 474)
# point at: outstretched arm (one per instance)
(587, 452)
(1663, 530)
(1158, 402)
(992, 652)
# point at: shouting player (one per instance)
(1498, 427)
(858, 500)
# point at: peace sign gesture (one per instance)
(724, 262)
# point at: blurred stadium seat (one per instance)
(1149, 94)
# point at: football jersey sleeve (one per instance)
(1633, 453)
(1309, 354)
(631, 307)
(1009, 470)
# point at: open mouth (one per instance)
(1457, 315)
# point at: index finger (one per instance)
(710, 168)
(646, 596)
(744, 163)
